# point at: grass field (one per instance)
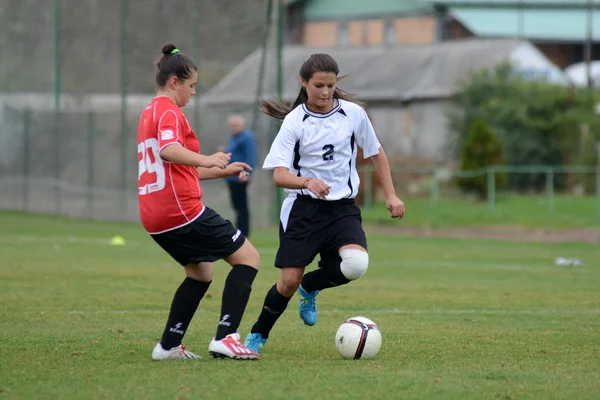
(461, 319)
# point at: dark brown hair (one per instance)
(173, 63)
(277, 108)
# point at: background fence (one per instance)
(439, 184)
(75, 76)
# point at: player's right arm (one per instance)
(170, 138)
(180, 155)
(283, 178)
(280, 158)
(240, 169)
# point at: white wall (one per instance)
(416, 130)
(527, 58)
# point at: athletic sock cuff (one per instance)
(244, 272)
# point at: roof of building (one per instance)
(348, 9)
(558, 23)
(400, 73)
(556, 20)
(512, 3)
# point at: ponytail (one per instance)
(343, 95)
(278, 108)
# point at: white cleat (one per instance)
(176, 353)
(231, 347)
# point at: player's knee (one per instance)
(254, 258)
(289, 281)
(354, 263)
(247, 255)
(202, 272)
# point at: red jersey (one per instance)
(169, 194)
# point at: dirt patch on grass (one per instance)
(507, 233)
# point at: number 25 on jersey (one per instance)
(151, 164)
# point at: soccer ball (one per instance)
(358, 338)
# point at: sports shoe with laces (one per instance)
(176, 353)
(231, 347)
(308, 306)
(255, 341)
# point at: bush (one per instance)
(481, 148)
(539, 122)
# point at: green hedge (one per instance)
(539, 123)
(480, 148)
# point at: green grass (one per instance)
(461, 319)
(568, 212)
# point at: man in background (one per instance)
(242, 146)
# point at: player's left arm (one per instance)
(240, 169)
(394, 205)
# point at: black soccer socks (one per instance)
(184, 306)
(274, 305)
(323, 278)
(235, 298)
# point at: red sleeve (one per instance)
(168, 129)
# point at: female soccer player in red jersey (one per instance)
(171, 210)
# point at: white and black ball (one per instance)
(358, 338)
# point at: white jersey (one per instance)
(323, 146)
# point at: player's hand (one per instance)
(241, 169)
(244, 177)
(219, 160)
(319, 188)
(395, 206)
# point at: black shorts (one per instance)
(319, 227)
(208, 238)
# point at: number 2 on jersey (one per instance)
(151, 165)
(329, 149)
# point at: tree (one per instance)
(538, 122)
(481, 148)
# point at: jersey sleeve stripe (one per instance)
(350, 169)
(154, 112)
(371, 154)
(167, 145)
(267, 167)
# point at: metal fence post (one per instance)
(279, 191)
(261, 69)
(550, 189)
(124, 4)
(435, 189)
(90, 166)
(26, 156)
(491, 188)
(368, 187)
(598, 179)
(598, 192)
(197, 44)
(57, 94)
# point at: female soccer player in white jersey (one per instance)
(314, 159)
(171, 210)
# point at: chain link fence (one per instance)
(75, 76)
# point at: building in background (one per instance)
(559, 28)
(407, 88)
(79, 74)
